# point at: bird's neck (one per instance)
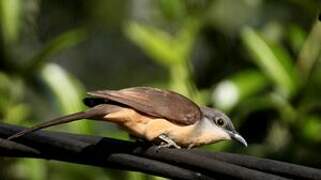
(206, 132)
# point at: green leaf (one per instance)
(172, 9)
(272, 60)
(158, 44)
(310, 52)
(164, 48)
(286, 110)
(185, 39)
(311, 128)
(239, 86)
(10, 12)
(5, 87)
(67, 91)
(16, 113)
(296, 36)
(172, 51)
(11, 94)
(32, 168)
(58, 44)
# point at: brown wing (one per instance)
(155, 102)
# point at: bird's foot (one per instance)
(167, 142)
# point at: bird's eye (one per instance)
(220, 122)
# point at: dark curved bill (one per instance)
(237, 137)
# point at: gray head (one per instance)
(223, 123)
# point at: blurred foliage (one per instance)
(258, 60)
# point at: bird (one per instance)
(154, 115)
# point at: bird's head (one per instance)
(222, 125)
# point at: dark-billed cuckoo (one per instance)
(153, 114)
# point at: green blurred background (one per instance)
(258, 60)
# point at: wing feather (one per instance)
(155, 102)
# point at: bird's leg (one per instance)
(167, 142)
(190, 146)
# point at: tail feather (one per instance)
(59, 120)
(96, 113)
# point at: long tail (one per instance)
(59, 120)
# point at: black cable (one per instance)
(170, 163)
(56, 146)
(266, 165)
